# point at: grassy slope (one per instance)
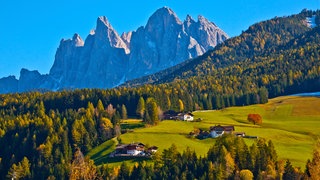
(292, 123)
(100, 153)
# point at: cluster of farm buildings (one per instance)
(134, 149)
(217, 131)
(172, 115)
(140, 150)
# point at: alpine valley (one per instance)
(106, 59)
(207, 106)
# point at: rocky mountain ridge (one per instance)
(105, 59)
(261, 39)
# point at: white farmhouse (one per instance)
(185, 116)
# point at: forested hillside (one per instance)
(39, 132)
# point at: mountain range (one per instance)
(106, 59)
(267, 40)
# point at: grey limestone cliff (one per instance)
(105, 59)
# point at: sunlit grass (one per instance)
(292, 123)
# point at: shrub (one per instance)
(255, 118)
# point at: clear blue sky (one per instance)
(30, 31)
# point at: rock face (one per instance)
(166, 41)
(105, 59)
(8, 84)
(99, 62)
(30, 79)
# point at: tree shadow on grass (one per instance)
(132, 126)
(107, 159)
(99, 154)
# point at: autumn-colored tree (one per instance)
(105, 128)
(124, 112)
(314, 165)
(141, 107)
(117, 130)
(110, 111)
(40, 109)
(78, 131)
(90, 110)
(271, 171)
(280, 168)
(246, 174)
(255, 118)
(21, 170)
(100, 108)
(160, 113)
(227, 162)
(82, 168)
(181, 105)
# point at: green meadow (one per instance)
(292, 123)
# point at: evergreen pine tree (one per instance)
(289, 173)
(124, 172)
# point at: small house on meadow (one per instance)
(185, 116)
(130, 149)
(216, 131)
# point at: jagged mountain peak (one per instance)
(163, 16)
(204, 21)
(189, 18)
(77, 40)
(107, 59)
(165, 9)
(202, 18)
(188, 21)
(103, 25)
(105, 33)
(104, 20)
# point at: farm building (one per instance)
(178, 116)
(185, 116)
(130, 149)
(216, 131)
(133, 149)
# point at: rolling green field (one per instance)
(292, 123)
